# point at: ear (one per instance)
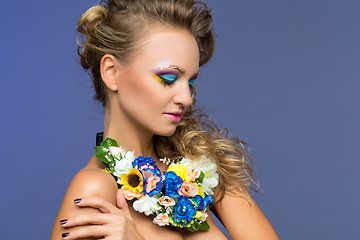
(108, 71)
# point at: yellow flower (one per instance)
(180, 170)
(132, 181)
(201, 215)
(181, 224)
(201, 192)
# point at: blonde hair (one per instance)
(117, 27)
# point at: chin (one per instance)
(167, 133)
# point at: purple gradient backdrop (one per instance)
(285, 78)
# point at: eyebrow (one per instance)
(195, 76)
(172, 67)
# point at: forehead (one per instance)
(166, 47)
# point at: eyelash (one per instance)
(167, 79)
(170, 79)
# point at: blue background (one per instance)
(285, 78)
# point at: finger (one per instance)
(93, 219)
(95, 231)
(122, 204)
(96, 202)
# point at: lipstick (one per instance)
(174, 116)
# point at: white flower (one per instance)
(205, 165)
(168, 210)
(208, 184)
(210, 180)
(147, 205)
(187, 162)
(123, 166)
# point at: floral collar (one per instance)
(178, 197)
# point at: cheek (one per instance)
(143, 93)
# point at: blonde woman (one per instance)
(162, 163)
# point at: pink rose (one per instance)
(166, 201)
(151, 180)
(188, 189)
(129, 195)
(194, 175)
(204, 215)
(161, 219)
(115, 151)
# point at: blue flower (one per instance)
(197, 200)
(152, 178)
(207, 200)
(140, 161)
(202, 203)
(150, 173)
(172, 183)
(183, 212)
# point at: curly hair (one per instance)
(117, 27)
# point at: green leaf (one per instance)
(102, 158)
(194, 227)
(201, 177)
(159, 195)
(101, 150)
(100, 153)
(109, 142)
(204, 226)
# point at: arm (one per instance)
(96, 214)
(244, 220)
(86, 183)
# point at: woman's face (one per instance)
(154, 90)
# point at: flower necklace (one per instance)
(166, 160)
(178, 197)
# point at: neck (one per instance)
(128, 135)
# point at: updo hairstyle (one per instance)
(118, 27)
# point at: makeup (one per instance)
(174, 116)
(172, 67)
(191, 81)
(167, 75)
(165, 78)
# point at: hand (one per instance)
(111, 223)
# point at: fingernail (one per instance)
(64, 235)
(62, 222)
(77, 200)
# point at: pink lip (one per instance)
(175, 116)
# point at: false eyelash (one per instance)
(167, 79)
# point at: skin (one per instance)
(136, 110)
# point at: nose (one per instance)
(183, 96)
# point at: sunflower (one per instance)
(132, 181)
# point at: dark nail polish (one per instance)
(64, 235)
(77, 200)
(62, 222)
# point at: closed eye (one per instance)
(191, 81)
(167, 79)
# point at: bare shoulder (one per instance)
(88, 182)
(93, 182)
(244, 220)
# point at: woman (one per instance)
(143, 56)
